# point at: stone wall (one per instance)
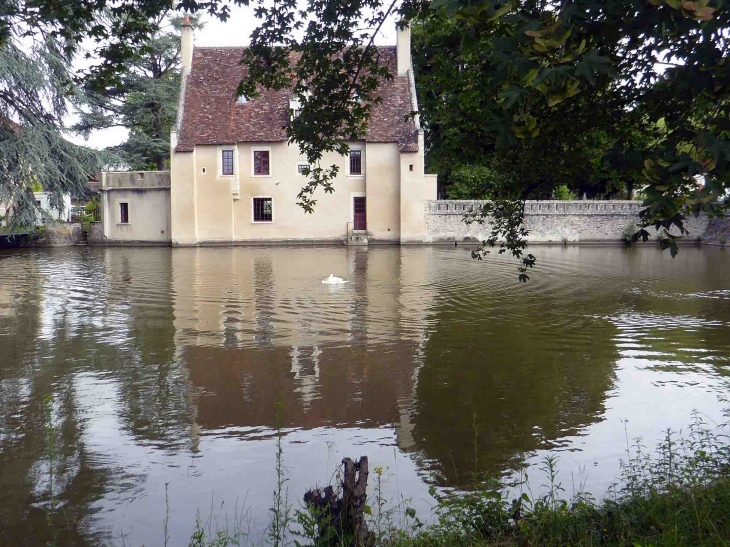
(718, 231)
(96, 233)
(59, 234)
(547, 221)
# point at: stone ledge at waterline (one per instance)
(548, 221)
(58, 234)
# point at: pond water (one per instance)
(165, 367)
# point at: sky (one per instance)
(234, 32)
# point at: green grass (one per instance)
(678, 496)
(679, 516)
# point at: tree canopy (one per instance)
(620, 90)
(144, 100)
(633, 90)
(39, 42)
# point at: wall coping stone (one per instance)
(540, 207)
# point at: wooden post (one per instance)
(346, 513)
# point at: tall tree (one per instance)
(34, 84)
(38, 44)
(529, 75)
(144, 100)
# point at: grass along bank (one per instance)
(677, 495)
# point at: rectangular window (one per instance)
(261, 162)
(124, 213)
(227, 165)
(263, 210)
(356, 162)
(301, 167)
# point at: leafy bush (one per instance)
(564, 193)
(473, 182)
(629, 231)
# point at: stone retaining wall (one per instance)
(96, 233)
(547, 221)
(59, 234)
(718, 231)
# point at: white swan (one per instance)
(332, 280)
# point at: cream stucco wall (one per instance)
(416, 187)
(383, 192)
(148, 204)
(183, 210)
(208, 207)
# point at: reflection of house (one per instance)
(268, 342)
(235, 178)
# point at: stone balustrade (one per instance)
(547, 221)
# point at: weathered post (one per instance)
(354, 495)
(346, 514)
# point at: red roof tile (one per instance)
(211, 115)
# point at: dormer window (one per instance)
(295, 107)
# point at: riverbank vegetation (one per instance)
(677, 495)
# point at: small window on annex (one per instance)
(301, 167)
(261, 162)
(263, 210)
(227, 162)
(124, 213)
(356, 162)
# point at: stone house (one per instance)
(235, 178)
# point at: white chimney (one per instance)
(186, 45)
(403, 49)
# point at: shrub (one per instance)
(629, 231)
(564, 193)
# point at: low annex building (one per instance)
(235, 178)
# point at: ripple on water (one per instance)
(167, 364)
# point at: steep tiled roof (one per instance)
(210, 114)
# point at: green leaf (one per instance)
(530, 77)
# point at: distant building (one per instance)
(43, 201)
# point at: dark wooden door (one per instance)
(360, 216)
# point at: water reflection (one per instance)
(164, 367)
